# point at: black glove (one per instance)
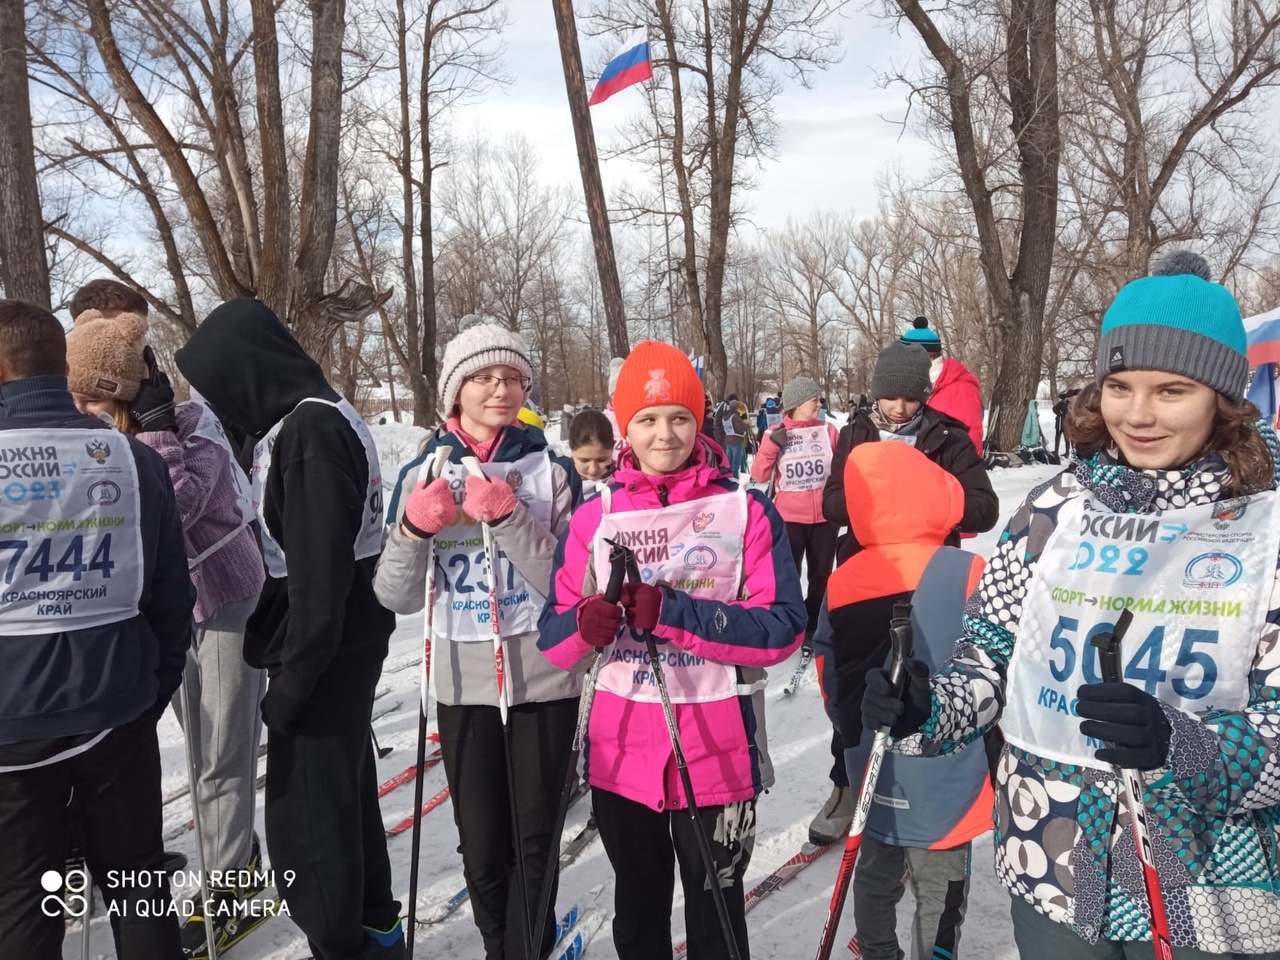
(280, 711)
(1128, 718)
(779, 436)
(153, 406)
(904, 714)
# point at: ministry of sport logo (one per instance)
(99, 450)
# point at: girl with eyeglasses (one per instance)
(524, 500)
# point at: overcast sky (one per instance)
(834, 140)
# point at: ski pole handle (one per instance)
(617, 571)
(902, 645)
(1108, 645)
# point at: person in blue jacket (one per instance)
(95, 622)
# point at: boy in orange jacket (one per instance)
(902, 508)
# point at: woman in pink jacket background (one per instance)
(796, 457)
(722, 599)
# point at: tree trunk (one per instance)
(319, 201)
(408, 262)
(24, 271)
(426, 386)
(276, 264)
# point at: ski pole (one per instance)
(472, 466)
(377, 747)
(902, 646)
(612, 593)
(682, 767)
(1108, 645)
(188, 733)
(433, 471)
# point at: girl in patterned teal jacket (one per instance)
(1170, 512)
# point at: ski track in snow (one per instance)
(788, 924)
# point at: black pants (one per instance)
(839, 772)
(817, 543)
(471, 742)
(644, 847)
(117, 785)
(323, 822)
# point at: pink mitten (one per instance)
(488, 500)
(429, 509)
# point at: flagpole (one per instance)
(592, 186)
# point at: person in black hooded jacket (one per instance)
(318, 629)
(898, 414)
(903, 371)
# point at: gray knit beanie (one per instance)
(798, 391)
(479, 344)
(902, 370)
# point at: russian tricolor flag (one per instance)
(630, 65)
(1264, 353)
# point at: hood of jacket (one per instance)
(953, 371)
(249, 368)
(895, 494)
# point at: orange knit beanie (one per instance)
(655, 374)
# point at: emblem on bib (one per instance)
(701, 521)
(1212, 571)
(700, 558)
(99, 450)
(1229, 511)
(103, 493)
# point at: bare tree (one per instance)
(718, 65)
(1020, 50)
(221, 195)
(24, 271)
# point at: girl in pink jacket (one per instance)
(796, 457)
(721, 597)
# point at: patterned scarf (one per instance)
(908, 429)
(1126, 490)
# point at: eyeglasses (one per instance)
(490, 382)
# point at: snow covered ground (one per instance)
(788, 924)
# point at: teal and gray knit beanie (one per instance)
(922, 335)
(1178, 321)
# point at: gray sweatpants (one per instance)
(224, 733)
(940, 884)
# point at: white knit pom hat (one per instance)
(479, 344)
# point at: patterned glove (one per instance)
(643, 604)
(429, 509)
(903, 713)
(153, 406)
(1128, 718)
(598, 621)
(488, 500)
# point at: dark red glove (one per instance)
(598, 621)
(643, 603)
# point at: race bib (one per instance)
(463, 577)
(806, 462)
(697, 548)
(70, 530)
(368, 542)
(1198, 582)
